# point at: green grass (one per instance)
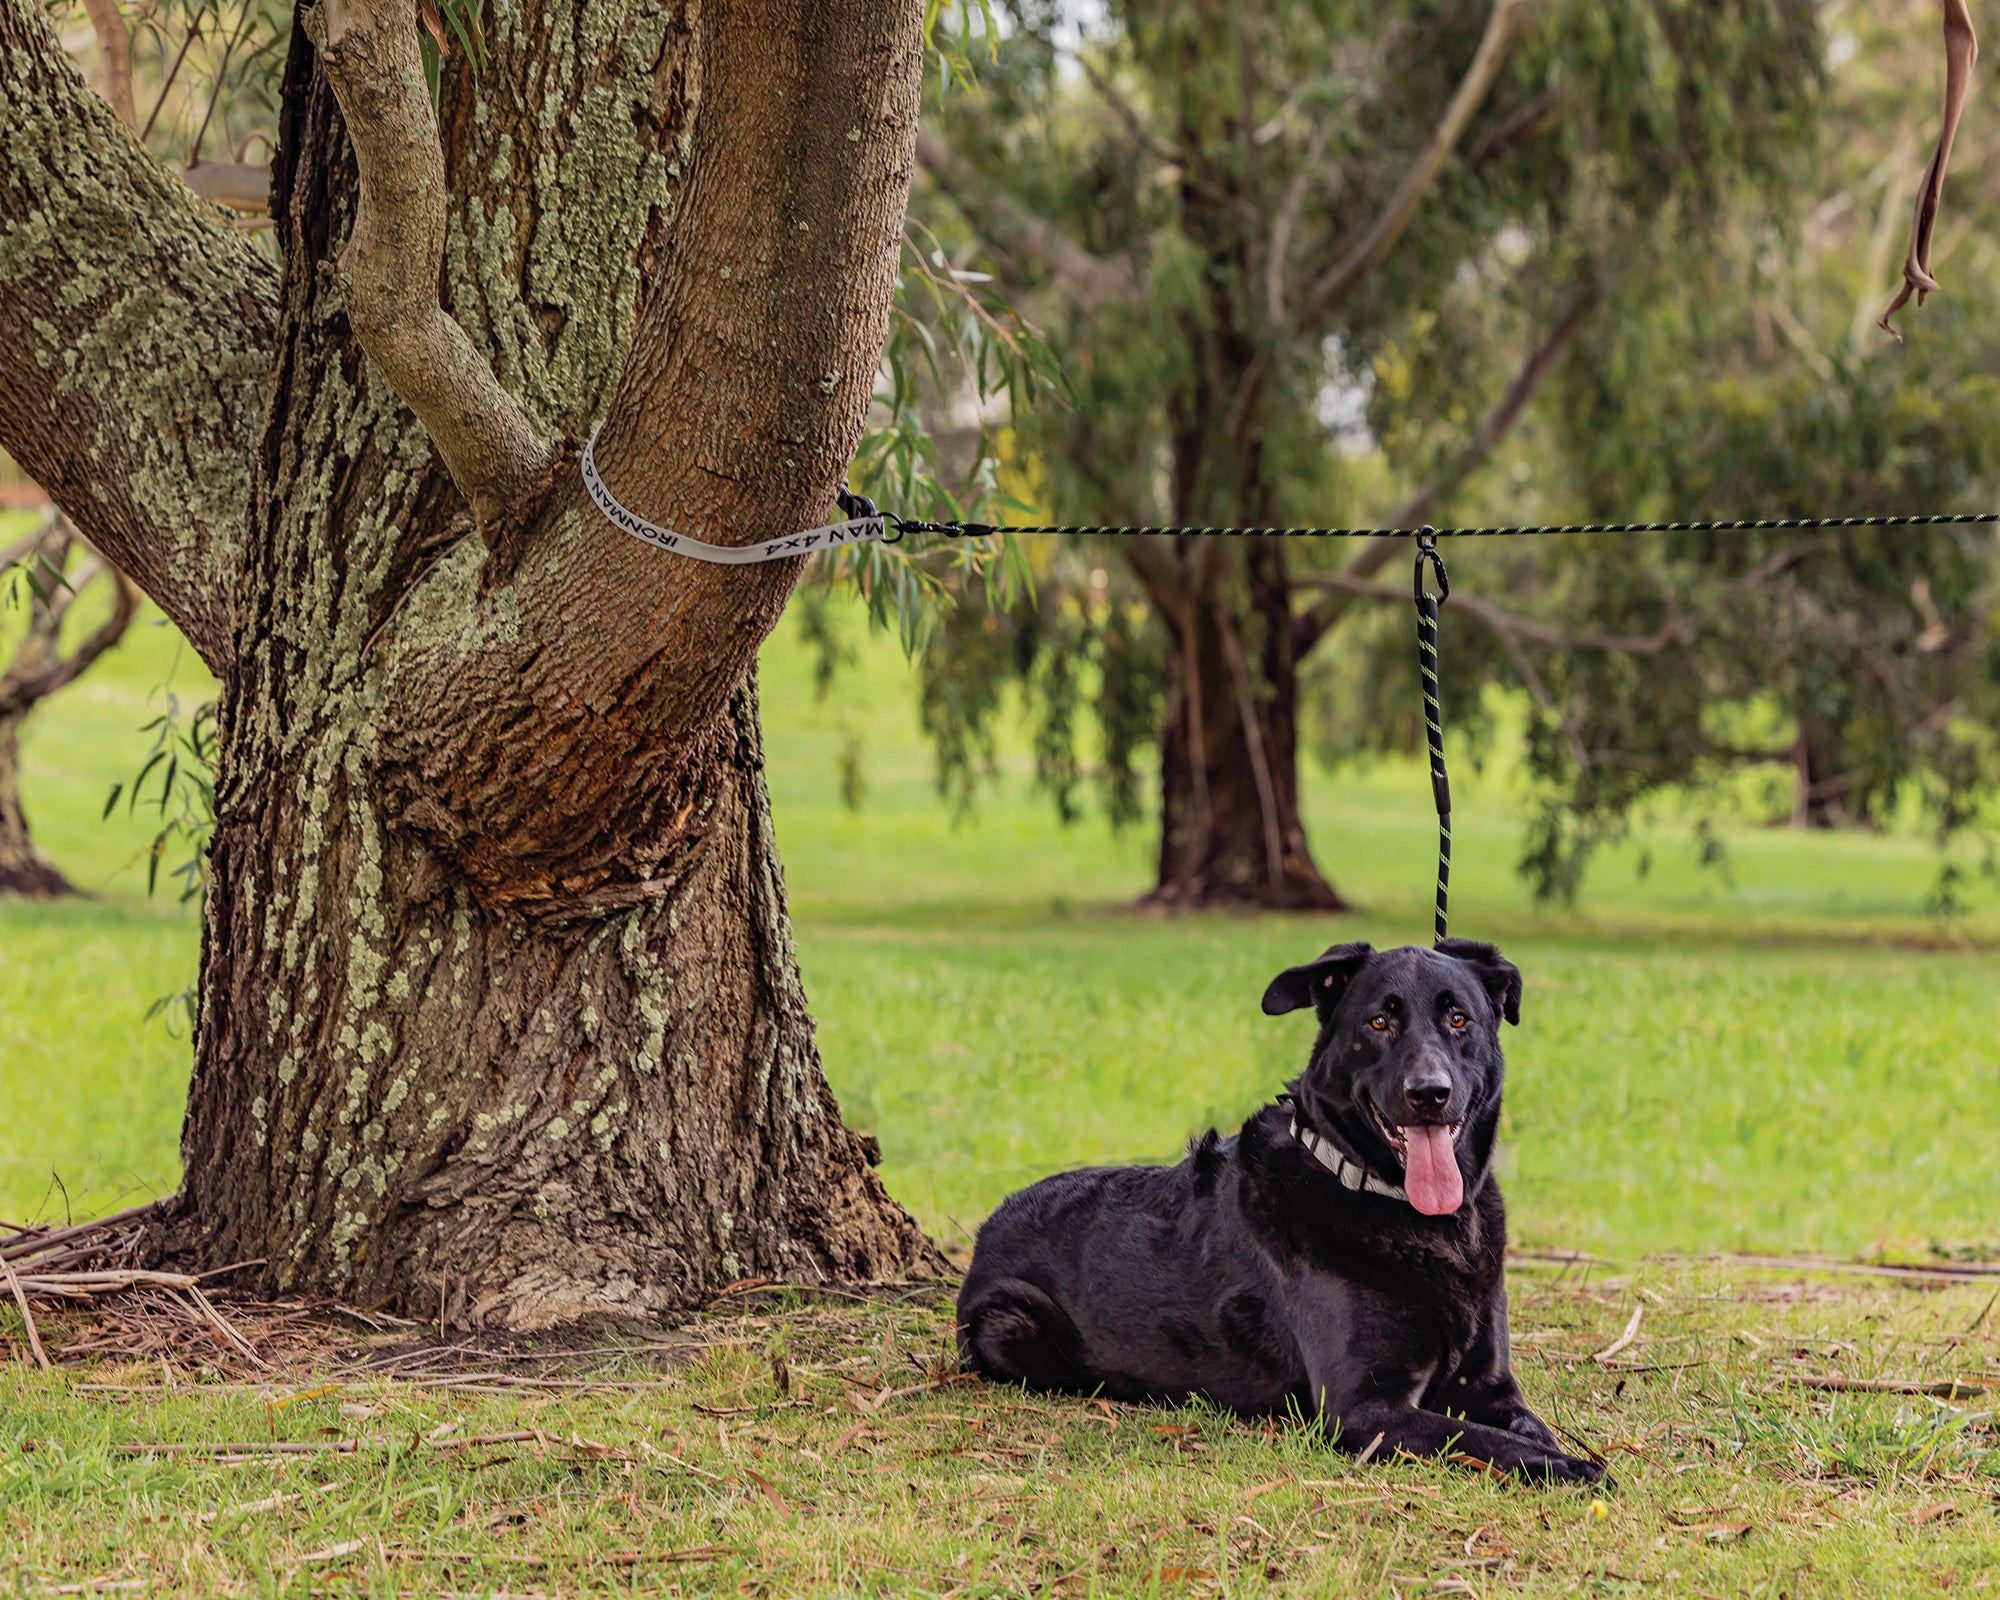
(869, 1471)
(1768, 1061)
(1793, 1058)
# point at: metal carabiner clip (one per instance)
(1427, 553)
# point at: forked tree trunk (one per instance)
(42, 665)
(1231, 833)
(506, 1030)
(501, 1018)
(23, 871)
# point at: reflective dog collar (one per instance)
(1352, 1174)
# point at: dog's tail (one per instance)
(1013, 1332)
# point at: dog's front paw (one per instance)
(1564, 1469)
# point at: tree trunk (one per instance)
(404, 1097)
(40, 667)
(22, 869)
(1821, 800)
(502, 1021)
(1230, 828)
(500, 1013)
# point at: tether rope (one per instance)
(1740, 525)
(864, 524)
(1427, 670)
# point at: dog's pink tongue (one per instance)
(1430, 1171)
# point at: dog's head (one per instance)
(1406, 1070)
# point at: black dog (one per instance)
(1342, 1255)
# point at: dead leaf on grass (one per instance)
(769, 1491)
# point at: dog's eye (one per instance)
(1459, 1020)
(1379, 1023)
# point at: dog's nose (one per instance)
(1428, 1090)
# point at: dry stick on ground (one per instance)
(27, 1316)
(1624, 1340)
(1944, 1389)
(1961, 49)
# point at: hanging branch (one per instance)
(1961, 49)
(1340, 280)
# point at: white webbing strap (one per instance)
(858, 530)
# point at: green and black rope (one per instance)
(1428, 603)
(974, 530)
(1427, 669)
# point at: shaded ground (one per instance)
(780, 1444)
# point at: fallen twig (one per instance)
(1942, 1272)
(1944, 1389)
(27, 1316)
(1624, 1340)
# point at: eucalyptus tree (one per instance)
(1248, 226)
(500, 1014)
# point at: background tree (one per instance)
(41, 586)
(1567, 294)
(1819, 679)
(500, 1015)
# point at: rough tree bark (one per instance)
(501, 1016)
(40, 666)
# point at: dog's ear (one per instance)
(1502, 979)
(1318, 983)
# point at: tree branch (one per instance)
(1340, 280)
(235, 184)
(752, 365)
(1008, 227)
(114, 46)
(1526, 125)
(1312, 625)
(1961, 49)
(1508, 623)
(137, 326)
(39, 668)
(389, 270)
(1499, 422)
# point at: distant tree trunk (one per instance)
(501, 1017)
(1231, 832)
(22, 869)
(1821, 800)
(40, 667)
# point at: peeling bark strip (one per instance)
(502, 1020)
(1961, 49)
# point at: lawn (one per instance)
(1791, 1058)
(787, 1448)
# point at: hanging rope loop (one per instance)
(1427, 670)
